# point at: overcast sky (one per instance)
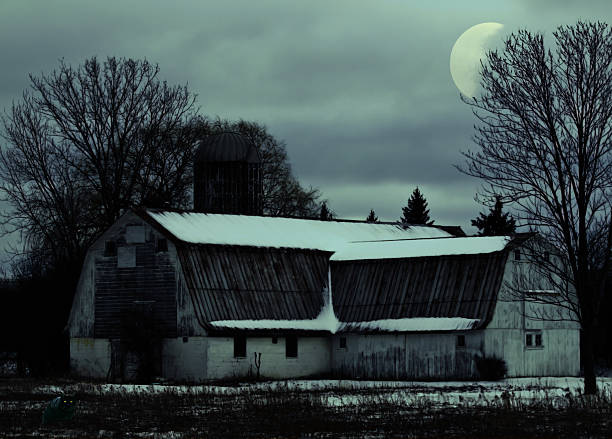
(360, 91)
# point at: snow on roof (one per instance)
(420, 248)
(327, 321)
(414, 324)
(202, 228)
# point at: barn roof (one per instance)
(446, 286)
(261, 231)
(264, 274)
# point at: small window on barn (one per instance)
(517, 255)
(274, 340)
(291, 347)
(110, 248)
(240, 346)
(461, 341)
(342, 342)
(533, 339)
(161, 245)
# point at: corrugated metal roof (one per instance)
(245, 283)
(259, 231)
(227, 147)
(446, 286)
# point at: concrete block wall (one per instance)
(313, 358)
(185, 359)
(90, 357)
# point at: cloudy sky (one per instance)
(360, 91)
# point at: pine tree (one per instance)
(372, 218)
(495, 223)
(326, 214)
(416, 212)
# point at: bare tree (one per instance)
(545, 136)
(85, 143)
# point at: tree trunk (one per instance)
(588, 357)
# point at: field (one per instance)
(521, 408)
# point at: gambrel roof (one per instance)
(265, 273)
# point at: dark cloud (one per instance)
(359, 90)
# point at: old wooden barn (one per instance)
(233, 295)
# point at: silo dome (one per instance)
(227, 175)
(227, 147)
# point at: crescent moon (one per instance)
(467, 52)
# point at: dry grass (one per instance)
(283, 413)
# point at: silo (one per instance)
(227, 175)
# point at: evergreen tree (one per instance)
(326, 214)
(416, 212)
(372, 218)
(495, 223)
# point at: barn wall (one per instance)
(185, 360)
(313, 358)
(558, 356)
(90, 357)
(81, 319)
(513, 317)
(137, 273)
(406, 356)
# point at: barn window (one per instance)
(291, 347)
(342, 342)
(461, 341)
(274, 340)
(533, 339)
(110, 248)
(161, 245)
(240, 346)
(517, 255)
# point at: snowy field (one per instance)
(518, 407)
(557, 391)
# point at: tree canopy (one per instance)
(495, 223)
(544, 137)
(416, 211)
(86, 142)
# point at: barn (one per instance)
(225, 292)
(238, 295)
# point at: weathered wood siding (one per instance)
(406, 356)
(244, 283)
(447, 286)
(513, 317)
(118, 289)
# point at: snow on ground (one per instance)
(334, 393)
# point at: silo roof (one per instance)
(227, 147)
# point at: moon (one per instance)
(467, 52)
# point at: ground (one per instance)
(525, 408)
